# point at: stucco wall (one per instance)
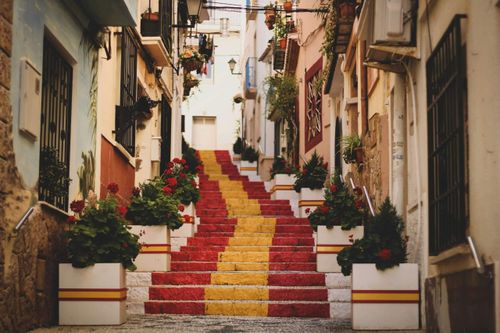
(33, 19)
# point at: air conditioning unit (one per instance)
(30, 100)
(156, 149)
(392, 22)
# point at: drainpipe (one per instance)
(398, 140)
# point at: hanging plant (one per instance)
(191, 60)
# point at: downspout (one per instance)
(398, 142)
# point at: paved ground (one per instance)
(214, 324)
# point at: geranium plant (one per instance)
(341, 207)
(281, 166)
(152, 204)
(193, 162)
(249, 154)
(180, 183)
(382, 244)
(99, 232)
(313, 174)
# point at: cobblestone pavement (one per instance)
(214, 324)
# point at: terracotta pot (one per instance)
(290, 25)
(287, 6)
(347, 10)
(282, 42)
(151, 16)
(359, 153)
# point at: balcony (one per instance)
(114, 13)
(250, 78)
(156, 22)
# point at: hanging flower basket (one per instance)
(191, 60)
(287, 6)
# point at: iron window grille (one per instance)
(313, 108)
(55, 127)
(124, 117)
(446, 119)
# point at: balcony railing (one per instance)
(250, 78)
(156, 29)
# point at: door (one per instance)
(204, 133)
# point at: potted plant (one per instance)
(270, 16)
(290, 26)
(249, 158)
(237, 148)
(191, 60)
(150, 23)
(280, 32)
(282, 180)
(153, 212)
(309, 183)
(352, 151)
(184, 189)
(381, 278)
(338, 222)
(92, 289)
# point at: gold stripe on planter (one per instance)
(311, 203)
(385, 296)
(330, 248)
(86, 294)
(248, 168)
(155, 248)
(282, 188)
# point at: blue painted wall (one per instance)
(33, 19)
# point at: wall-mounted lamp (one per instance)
(231, 64)
(192, 8)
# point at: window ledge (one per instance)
(53, 208)
(121, 150)
(457, 251)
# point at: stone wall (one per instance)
(28, 259)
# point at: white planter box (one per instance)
(94, 295)
(236, 157)
(385, 300)
(330, 243)
(185, 231)
(282, 188)
(197, 180)
(155, 248)
(310, 199)
(248, 169)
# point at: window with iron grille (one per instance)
(166, 133)
(125, 123)
(446, 119)
(166, 23)
(313, 108)
(55, 128)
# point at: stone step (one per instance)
(190, 266)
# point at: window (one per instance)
(313, 116)
(446, 118)
(125, 123)
(166, 133)
(55, 128)
(166, 23)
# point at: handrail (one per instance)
(24, 218)
(478, 260)
(368, 199)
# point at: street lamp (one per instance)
(231, 64)
(193, 8)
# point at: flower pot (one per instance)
(282, 187)
(310, 199)
(154, 255)
(282, 42)
(248, 168)
(94, 295)
(191, 64)
(347, 10)
(359, 154)
(330, 243)
(385, 300)
(287, 6)
(150, 25)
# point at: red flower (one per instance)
(77, 205)
(187, 218)
(72, 219)
(136, 191)
(125, 245)
(167, 190)
(333, 188)
(359, 204)
(172, 182)
(122, 210)
(288, 170)
(193, 183)
(308, 210)
(325, 166)
(183, 161)
(180, 208)
(168, 172)
(186, 167)
(170, 165)
(182, 175)
(304, 172)
(323, 209)
(199, 168)
(113, 188)
(176, 160)
(385, 254)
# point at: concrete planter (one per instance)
(248, 169)
(282, 188)
(94, 295)
(188, 228)
(385, 300)
(155, 248)
(330, 243)
(197, 180)
(236, 157)
(310, 199)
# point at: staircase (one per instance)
(249, 257)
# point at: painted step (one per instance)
(252, 257)
(190, 266)
(277, 240)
